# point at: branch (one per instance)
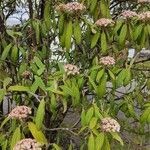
(64, 129)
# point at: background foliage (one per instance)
(42, 44)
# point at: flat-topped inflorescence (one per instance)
(144, 16)
(110, 125)
(107, 60)
(28, 144)
(104, 22)
(128, 14)
(71, 69)
(20, 112)
(71, 8)
(143, 1)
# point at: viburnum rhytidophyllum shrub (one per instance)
(67, 78)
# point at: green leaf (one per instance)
(123, 34)
(37, 134)
(53, 102)
(61, 24)
(56, 147)
(40, 83)
(15, 138)
(112, 76)
(47, 14)
(121, 77)
(100, 74)
(106, 145)
(68, 35)
(93, 83)
(101, 89)
(38, 62)
(19, 88)
(145, 115)
(103, 42)
(99, 141)
(93, 5)
(127, 76)
(117, 137)
(2, 94)
(91, 142)
(89, 115)
(95, 39)
(4, 122)
(64, 101)
(55, 91)
(137, 31)
(93, 122)
(117, 26)
(6, 52)
(83, 118)
(76, 94)
(148, 29)
(14, 53)
(40, 114)
(37, 30)
(6, 82)
(103, 8)
(97, 112)
(77, 32)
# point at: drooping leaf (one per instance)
(77, 32)
(93, 5)
(91, 142)
(6, 52)
(47, 14)
(95, 39)
(56, 147)
(15, 137)
(123, 34)
(101, 89)
(19, 88)
(68, 35)
(137, 31)
(2, 94)
(14, 53)
(99, 75)
(145, 115)
(40, 114)
(37, 134)
(83, 118)
(117, 137)
(99, 141)
(103, 42)
(93, 122)
(61, 24)
(89, 115)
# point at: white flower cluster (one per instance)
(108, 60)
(143, 1)
(20, 112)
(144, 16)
(110, 125)
(128, 14)
(72, 7)
(27, 144)
(104, 22)
(71, 69)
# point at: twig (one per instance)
(64, 129)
